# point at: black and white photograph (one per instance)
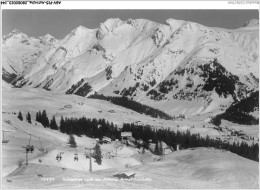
(130, 95)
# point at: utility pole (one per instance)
(26, 151)
(30, 139)
(117, 145)
(90, 162)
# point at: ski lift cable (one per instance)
(34, 135)
(20, 130)
(43, 139)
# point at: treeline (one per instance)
(238, 112)
(133, 105)
(94, 128)
(188, 140)
(98, 128)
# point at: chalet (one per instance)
(106, 140)
(125, 175)
(165, 148)
(126, 135)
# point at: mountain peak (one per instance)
(251, 23)
(48, 36)
(49, 39)
(15, 31)
(81, 28)
(111, 23)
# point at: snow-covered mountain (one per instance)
(178, 66)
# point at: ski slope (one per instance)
(192, 168)
(18, 134)
(33, 100)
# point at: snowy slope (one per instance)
(158, 64)
(192, 168)
(212, 169)
(17, 132)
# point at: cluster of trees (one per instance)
(74, 87)
(130, 91)
(28, 117)
(133, 105)
(238, 112)
(79, 89)
(42, 118)
(218, 78)
(188, 140)
(84, 90)
(155, 95)
(90, 127)
(167, 85)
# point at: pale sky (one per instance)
(61, 22)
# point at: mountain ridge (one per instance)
(178, 61)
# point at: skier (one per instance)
(57, 157)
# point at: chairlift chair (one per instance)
(4, 141)
(76, 158)
(58, 157)
(86, 154)
(41, 149)
(29, 147)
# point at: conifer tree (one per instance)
(44, 119)
(37, 116)
(62, 125)
(28, 117)
(53, 124)
(160, 148)
(72, 141)
(20, 116)
(156, 150)
(98, 154)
